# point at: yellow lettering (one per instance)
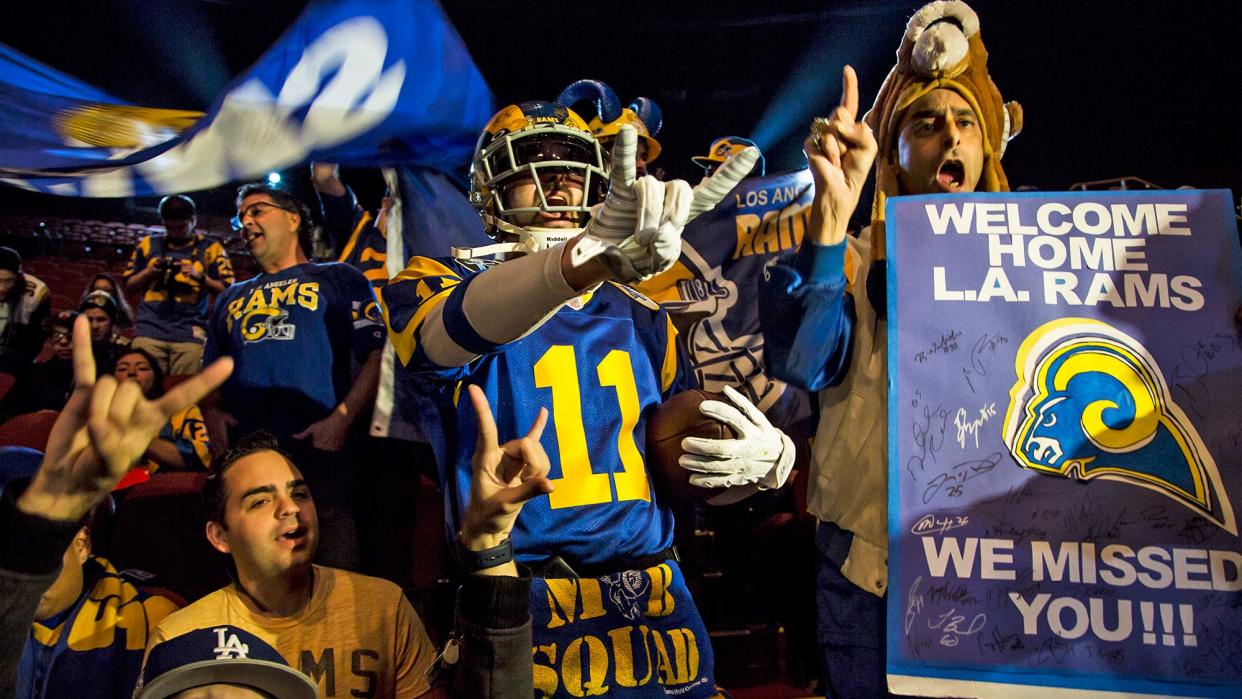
(308, 295)
(767, 238)
(593, 684)
(623, 651)
(579, 484)
(685, 655)
(235, 307)
(283, 295)
(681, 665)
(798, 222)
(255, 302)
(564, 595)
(546, 681)
(747, 224)
(660, 601)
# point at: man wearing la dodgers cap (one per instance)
(209, 660)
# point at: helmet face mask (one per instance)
(532, 143)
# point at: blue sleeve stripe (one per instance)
(458, 326)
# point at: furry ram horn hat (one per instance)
(941, 48)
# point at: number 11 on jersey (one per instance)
(578, 485)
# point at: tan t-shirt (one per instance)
(358, 637)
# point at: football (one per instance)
(675, 419)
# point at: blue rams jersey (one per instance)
(292, 335)
(352, 232)
(600, 365)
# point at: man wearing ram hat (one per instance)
(938, 125)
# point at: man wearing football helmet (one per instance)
(552, 326)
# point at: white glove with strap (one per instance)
(761, 455)
(710, 190)
(644, 217)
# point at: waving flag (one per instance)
(365, 82)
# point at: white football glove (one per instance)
(762, 455)
(644, 217)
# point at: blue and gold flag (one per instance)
(362, 83)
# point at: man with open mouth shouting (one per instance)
(938, 126)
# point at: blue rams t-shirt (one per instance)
(600, 365)
(291, 335)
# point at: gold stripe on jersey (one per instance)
(668, 372)
(353, 237)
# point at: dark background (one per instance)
(1143, 88)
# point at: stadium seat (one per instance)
(29, 430)
(158, 527)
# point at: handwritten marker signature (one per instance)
(929, 433)
(914, 604)
(950, 625)
(931, 524)
(954, 480)
(986, 344)
(967, 427)
(946, 343)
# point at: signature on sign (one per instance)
(931, 524)
(953, 626)
(967, 427)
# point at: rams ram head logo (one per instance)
(1091, 403)
(266, 324)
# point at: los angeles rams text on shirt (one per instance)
(261, 314)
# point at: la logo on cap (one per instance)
(229, 646)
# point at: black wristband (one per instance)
(487, 558)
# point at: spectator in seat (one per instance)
(45, 385)
(349, 632)
(90, 629)
(101, 310)
(106, 282)
(175, 273)
(25, 305)
(182, 444)
(77, 471)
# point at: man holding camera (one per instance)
(175, 273)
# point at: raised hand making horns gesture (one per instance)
(102, 432)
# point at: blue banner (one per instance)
(431, 216)
(1065, 445)
(711, 290)
(362, 83)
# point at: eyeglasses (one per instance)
(58, 335)
(253, 211)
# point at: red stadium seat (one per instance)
(6, 382)
(158, 527)
(29, 430)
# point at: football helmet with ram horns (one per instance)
(532, 141)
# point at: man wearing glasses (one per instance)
(292, 332)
